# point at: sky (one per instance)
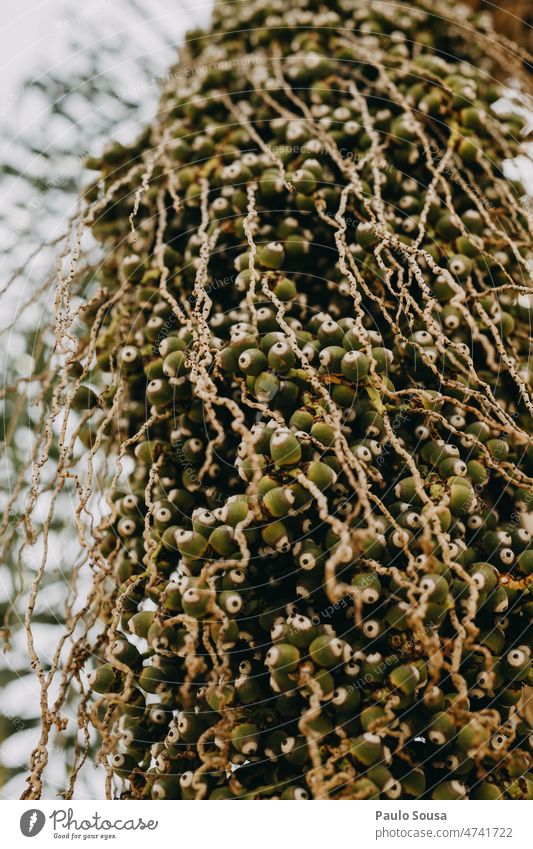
(27, 34)
(135, 42)
(34, 34)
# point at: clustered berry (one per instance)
(311, 342)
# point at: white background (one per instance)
(350, 825)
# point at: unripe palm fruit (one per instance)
(285, 449)
(318, 397)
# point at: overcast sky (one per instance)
(34, 34)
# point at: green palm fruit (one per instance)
(355, 365)
(449, 790)
(320, 409)
(166, 787)
(405, 679)
(271, 255)
(252, 361)
(283, 657)
(281, 357)
(103, 679)
(285, 449)
(367, 749)
(190, 544)
(244, 738)
(441, 729)
(140, 623)
(325, 651)
(278, 501)
(196, 600)
(321, 474)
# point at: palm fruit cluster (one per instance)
(308, 361)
